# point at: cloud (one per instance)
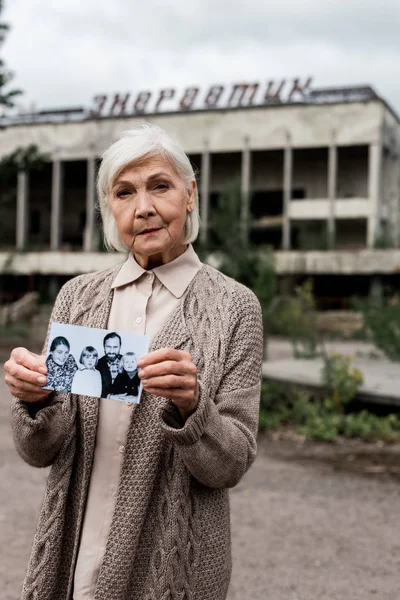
(65, 53)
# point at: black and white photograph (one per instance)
(95, 362)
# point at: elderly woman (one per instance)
(136, 505)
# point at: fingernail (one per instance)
(43, 370)
(41, 380)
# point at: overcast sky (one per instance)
(64, 52)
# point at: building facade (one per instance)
(320, 181)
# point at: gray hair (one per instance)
(135, 144)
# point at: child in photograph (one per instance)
(127, 382)
(87, 379)
(61, 365)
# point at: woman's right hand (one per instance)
(25, 374)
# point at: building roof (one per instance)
(317, 96)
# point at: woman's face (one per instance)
(60, 354)
(129, 363)
(89, 361)
(150, 203)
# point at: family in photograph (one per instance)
(87, 379)
(108, 364)
(113, 376)
(127, 382)
(61, 365)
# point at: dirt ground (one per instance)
(309, 521)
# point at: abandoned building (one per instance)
(319, 175)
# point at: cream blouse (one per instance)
(143, 301)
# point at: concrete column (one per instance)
(245, 189)
(332, 192)
(89, 234)
(391, 193)
(396, 203)
(22, 209)
(287, 192)
(376, 291)
(56, 205)
(374, 191)
(205, 194)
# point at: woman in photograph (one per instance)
(136, 505)
(61, 366)
(87, 379)
(126, 384)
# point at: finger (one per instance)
(23, 386)
(28, 359)
(161, 355)
(28, 393)
(167, 367)
(170, 381)
(23, 374)
(177, 395)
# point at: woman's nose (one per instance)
(144, 205)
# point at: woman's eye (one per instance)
(161, 186)
(122, 193)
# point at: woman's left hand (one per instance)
(172, 374)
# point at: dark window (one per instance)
(270, 203)
(35, 221)
(82, 219)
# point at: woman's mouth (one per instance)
(147, 232)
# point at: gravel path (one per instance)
(302, 529)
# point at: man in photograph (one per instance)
(108, 364)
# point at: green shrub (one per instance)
(316, 420)
(370, 427)
(323, 427)
(325, 419)
(341, 379)
(296, 317)
(263, 420)
(382, 323)
(275, 408)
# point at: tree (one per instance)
(6, 96)
(238, 257)
(22, 159)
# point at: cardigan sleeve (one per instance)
(40, 428)
(218, 441)
(39, 437)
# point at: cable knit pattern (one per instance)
(170, 533)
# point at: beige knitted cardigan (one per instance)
(170, 531)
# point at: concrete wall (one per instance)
(366, 135)
(319, 209)
(391, 175)
(365, 262)
(224, 130)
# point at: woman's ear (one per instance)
(191, 197)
